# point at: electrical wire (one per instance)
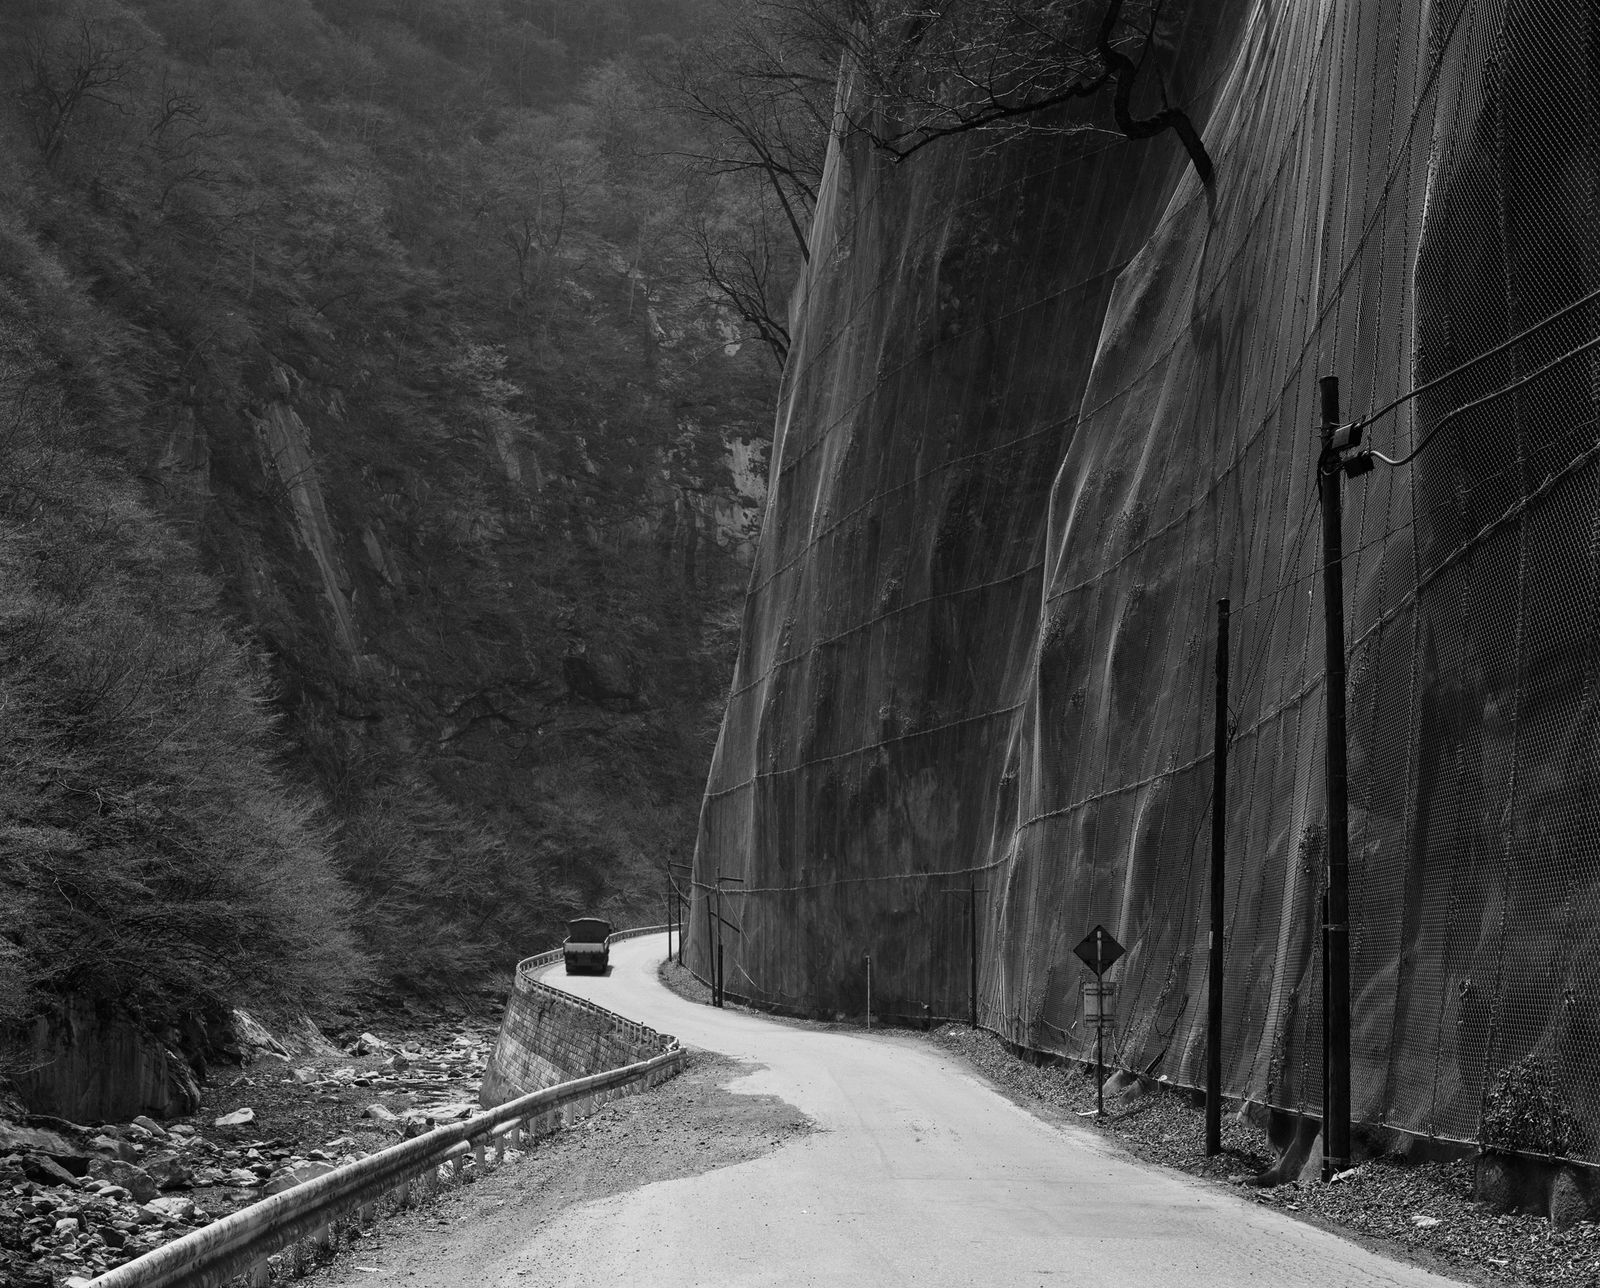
(1486, 398)
(1495, 352)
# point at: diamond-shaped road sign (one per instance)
(1098, 950)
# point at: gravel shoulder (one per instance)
(1422, 1213)
(682, 1128)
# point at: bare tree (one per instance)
(61, 72)
(176, 133)
(744, 258)
(761, 92)
(536, 180)
(926, 71)
(757, 96)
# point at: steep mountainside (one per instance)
(373, 326)
(1048, 400)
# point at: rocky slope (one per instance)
(79, 1200)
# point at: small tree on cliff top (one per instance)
(929, 70)
(757, 91)
(761, 92)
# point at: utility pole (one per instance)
(1336, 932)
(1219, 827)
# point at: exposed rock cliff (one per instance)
(1048, 402)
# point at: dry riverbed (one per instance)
(76, 1200)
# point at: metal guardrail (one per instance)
(241, 1243)
(552, 955)
(641, 1034)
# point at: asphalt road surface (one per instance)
(920, 1174)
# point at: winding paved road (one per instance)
(921, 1174)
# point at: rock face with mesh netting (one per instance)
(1049, 399)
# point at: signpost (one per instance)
(1098, 950)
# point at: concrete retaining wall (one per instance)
(547, 1037)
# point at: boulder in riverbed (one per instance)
(135, 1180)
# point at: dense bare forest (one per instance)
(383, 429)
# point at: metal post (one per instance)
(1219, 827)
(683, 900)
(669, 912)
(1100, 1026)
(718, 980)
(971, 894)
(1336, 966)
(869, 992)
(711, 949)
(972, 940)
(1322, 911)
(717, 991)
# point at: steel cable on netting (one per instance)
(1254, 666)
(1479, 484)
(1503, 347)
(1509, 388)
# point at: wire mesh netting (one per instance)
(1048, 401)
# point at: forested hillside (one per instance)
(379, 469)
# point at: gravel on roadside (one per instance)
(683, 1127)
(1418, 1212)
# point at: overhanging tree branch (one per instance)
(931, 72)
(1124, 70)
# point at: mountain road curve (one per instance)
(918, 1172)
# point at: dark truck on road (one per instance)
(586, 947)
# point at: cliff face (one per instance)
(1048, 402)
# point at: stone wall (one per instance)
(548, 1037)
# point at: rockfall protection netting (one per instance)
(1048, 401)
